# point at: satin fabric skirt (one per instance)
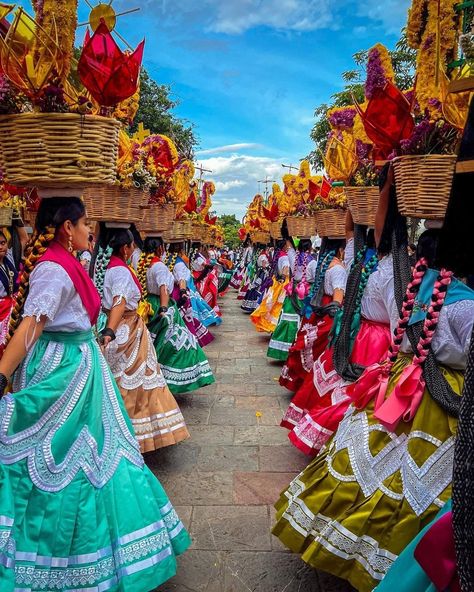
(156, 417)
(182, 360)
(285, 332)
(79, 509)
(265, 316)
(367, 495)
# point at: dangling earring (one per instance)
(70, 248)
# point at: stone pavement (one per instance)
(225, 479)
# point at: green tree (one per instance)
(403, 62)
(231, 229)
(155, 111)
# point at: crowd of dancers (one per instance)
(374, 345)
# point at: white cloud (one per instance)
(236, 178)
(229, 148)
(392, 14)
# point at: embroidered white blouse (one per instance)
(199, 263)
(283, 262)
(378, 298)
(53, 295)
(119, 283)
(159, 275)
(335, 279)
(310, 271)
(181, 272)
(263, 261)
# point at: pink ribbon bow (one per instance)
(372, 383)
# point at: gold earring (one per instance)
(70, 248)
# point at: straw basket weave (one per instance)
(6, 215)
(29, 218)
(363, 203)
(261, 237)
(112, 203)
(58, 149)
(158, 218)
(424, 184)
(301, 226)
(275, 230)
(331, 223)
(197, 230)
(181, 230)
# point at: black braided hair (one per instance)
(463, 480)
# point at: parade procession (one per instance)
(205, 391)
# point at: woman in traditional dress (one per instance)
(78, 506)
(182, 360)
(254, 294)
(205, 278)
(155, 415)
(321, 401)
(245, 257)
(266, 315)
(324, 292)
(181, 295)
(387, 470)
(225, 273)
(300, 268)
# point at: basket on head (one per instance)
(331, 223)
(301, 225)
(158, 218)
(29, 218)
(197, 230)
(112, 203)
(181, 230)
(363, 203)
(275, 230)
(58, 149)
(423, 184)
(261, 237)
(6, 215)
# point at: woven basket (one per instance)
(58, 149)
(301, 226)
(424, 184)
(261, 237)
(112, 203)
(331, 223)
(158, 218)
(6, 215)
(29, 218)
(275, 230)
(181, 230)
(363, 203)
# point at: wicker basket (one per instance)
(181, 230)
(29, 218)
(424, 184)
(261, 237)
(112, 203)
(58, 149)
(158, 218)
(6, 215)
(275, 230)
(331, 223)
(301, 226)
(363, 203)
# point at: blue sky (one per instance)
(249, 73)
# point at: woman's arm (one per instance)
(27, 333)
(338, 295)
(114, 318)
(164, 296)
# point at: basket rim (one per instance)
(72, 116)
(423, 156)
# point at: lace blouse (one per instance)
(283, 262)
(118, 283)
(181, 272)
(263, 261)
(199, 263)
(52, 294)
(378, 298)
(349, 253)
(335, 279)
(135, 258)
(159, 275)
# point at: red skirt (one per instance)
(320, 404)
(311, 341)
(208, 289)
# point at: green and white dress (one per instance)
(183, 362)
(79, 509)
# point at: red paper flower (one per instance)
(109, 74)
(212, 221)
(242, 233)
(387, 119)
(271, 213)
(190, 206)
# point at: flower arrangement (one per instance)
(431, 137)
(341, 118)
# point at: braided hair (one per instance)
(110, 241)
(463, 480)
(52, 214)
(150, 247)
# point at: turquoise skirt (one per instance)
(79, 509)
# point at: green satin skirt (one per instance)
(79, 509)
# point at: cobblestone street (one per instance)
(225, 479)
